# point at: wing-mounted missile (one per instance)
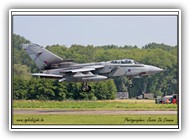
(94, 78)
(85, 77)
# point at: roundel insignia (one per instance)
(46, 62)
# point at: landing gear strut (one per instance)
(85, 87)
(130, 83)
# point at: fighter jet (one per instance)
(53, 66)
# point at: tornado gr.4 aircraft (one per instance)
(53, 66)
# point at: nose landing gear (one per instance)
(85, 87)
(130, 83)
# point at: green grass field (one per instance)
(125, 119)
(95, 105)
(95, 119)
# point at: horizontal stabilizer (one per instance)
(47, 75)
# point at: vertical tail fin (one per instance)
(41, 56)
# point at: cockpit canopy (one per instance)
(124, 61)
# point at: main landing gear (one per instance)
(85, 87)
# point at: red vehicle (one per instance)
(169, 99)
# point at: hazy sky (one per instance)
(97, 30)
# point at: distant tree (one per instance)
(105, 90)
(20, 88)
(19, 56)
(121, 83)
(60, 90)
(21, 71)
(18, 40)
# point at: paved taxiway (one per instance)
(109, 112)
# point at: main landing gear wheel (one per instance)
(85, 87)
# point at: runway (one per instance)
(94, 112)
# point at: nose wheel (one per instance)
(85, 87)
(130, 83)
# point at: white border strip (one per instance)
(95, 127)
(115, 12)
(139, 12)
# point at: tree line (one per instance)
(48, 89)
(160, 55)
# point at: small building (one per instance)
(122, 95)
(148, 96)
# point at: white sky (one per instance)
(97, 30)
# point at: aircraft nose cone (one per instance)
(153, 69)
